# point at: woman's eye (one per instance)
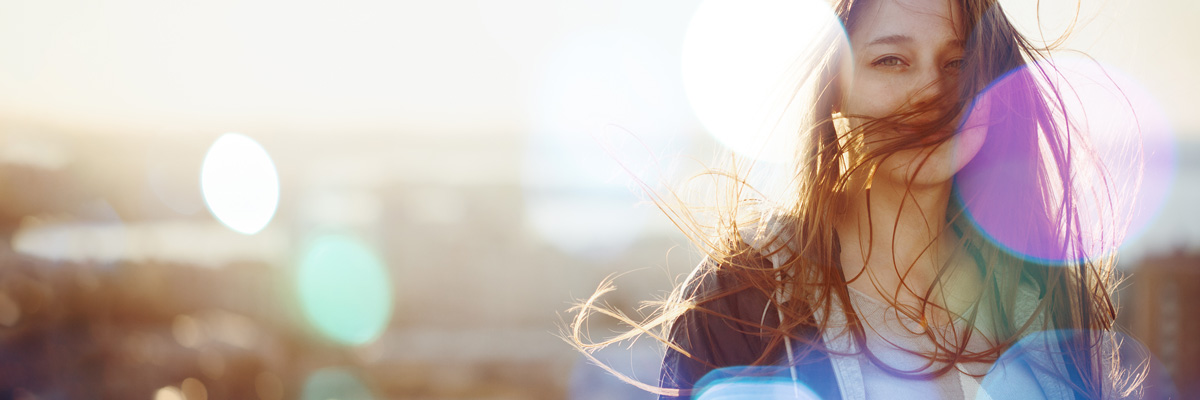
(889, 62)
(956, 65)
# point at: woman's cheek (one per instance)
(970, 139)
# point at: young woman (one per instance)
(873, 281)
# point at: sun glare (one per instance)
(740, 70)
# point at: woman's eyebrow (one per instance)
(891, 39)
(905, 39)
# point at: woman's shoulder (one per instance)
(772, 233)
(738, 288)
(732, 319)
(727, 322)
(724, 279)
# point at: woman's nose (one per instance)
(930, 85)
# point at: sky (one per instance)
(458, 67)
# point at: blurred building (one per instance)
(1159, 308)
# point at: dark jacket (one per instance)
(722, 336)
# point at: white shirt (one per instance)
(899, 342)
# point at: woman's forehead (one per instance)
(920, 21)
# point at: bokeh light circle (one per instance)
(741, 68)
(334, 383)
(1122, 162)
(169, 393)
(240, 183)
(1025, 370)
(752, 383)
(344, 289)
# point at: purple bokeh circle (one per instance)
(1080, 190)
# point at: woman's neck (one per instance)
(891, 236)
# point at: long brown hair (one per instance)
(1075, 290)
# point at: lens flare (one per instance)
(193, 389)
(1025, 370)
(344, 289)
(1118, 151)
(334, 383)
(240, 183)
(168, 393)
(742, 61)
(746, 383)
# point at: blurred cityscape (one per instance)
(107, 291)
(117, 282)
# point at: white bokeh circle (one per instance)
(743, 67)
(240, 183)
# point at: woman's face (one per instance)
(907, 54)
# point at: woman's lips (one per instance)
(925, 135)
(915, 131)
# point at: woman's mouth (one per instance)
(926, 136)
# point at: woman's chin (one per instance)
(931, 166)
